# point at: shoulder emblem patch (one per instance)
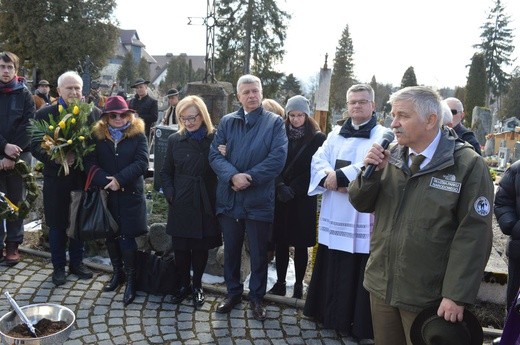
(482, 206)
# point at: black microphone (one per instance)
(388, 137)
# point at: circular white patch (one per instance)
(482, 206)
(158, 133)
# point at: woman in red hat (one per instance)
(122, 155)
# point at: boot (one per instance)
(129, 266)
(279, 288)
(12, 256)
(118, 275)
(298, 290)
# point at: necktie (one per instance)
(416, 163)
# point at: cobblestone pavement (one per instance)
(102, 319)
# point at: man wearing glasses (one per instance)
(457, 109)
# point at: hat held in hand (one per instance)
(430, 329)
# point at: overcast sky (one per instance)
(435, 37)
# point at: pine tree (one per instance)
(251, 41)
(409, 78)
(290, 87)
(476, 87)
(342, 72)
(511, 100)
(496, 46)
(57, 36)
(143, 69)
(127, 72)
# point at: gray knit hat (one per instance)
(298, 103)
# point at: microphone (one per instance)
(388, 137)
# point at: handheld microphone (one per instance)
(388, 137)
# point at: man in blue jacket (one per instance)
(256, 150)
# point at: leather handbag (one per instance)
(155, 274)
(89, 217)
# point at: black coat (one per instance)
(128, 163)
(147, 108)
(56, 186)
(507, 208)
(189, 185)
(295, 220)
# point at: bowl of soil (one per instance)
(53, 324)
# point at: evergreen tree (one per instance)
(290, 87)
(511, 101)
(127, 72)
(252, 42)
(381, 94)
(476, 87)
(496, 46)
(143, 69)
(57, 35)
(409, 78)
(342, 72)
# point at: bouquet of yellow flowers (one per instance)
(67, 134)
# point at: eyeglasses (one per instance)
(114, 116)
(190, 120)
(7, 67)
(360, 102)
(454, 111)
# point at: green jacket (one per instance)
(432, 234)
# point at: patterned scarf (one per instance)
(117, 133)
(295, 133)
(16, 83)
(198, 135)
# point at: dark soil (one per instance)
(43, 328)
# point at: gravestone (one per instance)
(159, 152)
(218, 97)
(481, 123)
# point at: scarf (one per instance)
(16, 83)
(295, 133)
(348, 131)
(197, 135)
(117, 133)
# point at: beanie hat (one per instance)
(298, 103)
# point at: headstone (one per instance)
(160, 145)
(503, 157)
(481, 123)
(489, 148)
(218, 97)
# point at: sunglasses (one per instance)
(114, 116)
(454, 111)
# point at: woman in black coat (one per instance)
(189, 185)
(295, 211)
(122, 155)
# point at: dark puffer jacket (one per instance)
(507, 208)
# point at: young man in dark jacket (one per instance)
(16, 108)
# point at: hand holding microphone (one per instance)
(375, 156)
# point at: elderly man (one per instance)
(170, 116)
(431, 195)
(16, 108)
(57, 187)
(145, 105)
(256, 150)
(457, 109)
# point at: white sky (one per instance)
(435, 37)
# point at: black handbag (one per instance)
(155, 274)
(89, 217)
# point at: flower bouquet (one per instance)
(65, 135)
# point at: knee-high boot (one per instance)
(129, 264)
(118, 275)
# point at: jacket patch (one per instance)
(447, 185)
(482, 206)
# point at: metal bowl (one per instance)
(36, 312)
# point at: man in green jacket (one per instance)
(432, 196)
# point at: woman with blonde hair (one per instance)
(189, 185)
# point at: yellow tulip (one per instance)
(69, 141)
(75, 110)
(51, 127)
(60, 108)
(81, 138)
(73, 121)
(61, 124)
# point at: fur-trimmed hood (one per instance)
(100, 129)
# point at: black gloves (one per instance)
(284, 193)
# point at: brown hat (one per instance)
(140, 81)
(43, 82)
(116, 104)
(429, 329)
